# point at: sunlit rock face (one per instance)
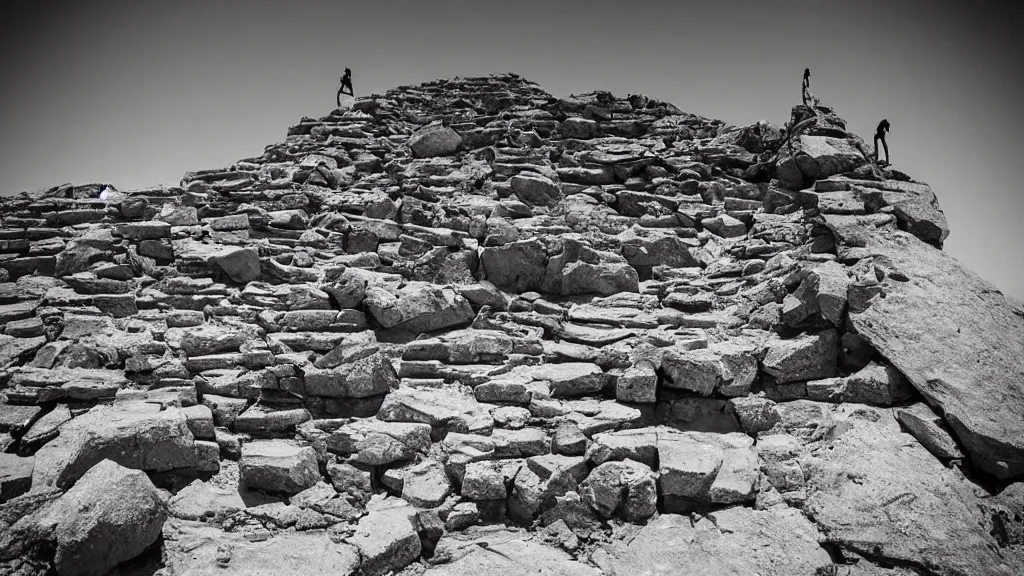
(471, 326)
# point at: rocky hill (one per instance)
(469, 327)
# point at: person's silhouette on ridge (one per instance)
(883, 127)
(346, 82)
(805, 88)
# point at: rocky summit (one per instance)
(470, 327)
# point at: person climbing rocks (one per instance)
(883, 127)
(346, 82)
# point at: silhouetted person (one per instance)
(805, 88)
(346, 82)
(883, 127)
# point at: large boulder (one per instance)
(579, 269)
(818, 157)
(913, 203)
(82, 252)
(517, 266)
(955, 337)
(238, 264)
(449, 408)
(722, 368)
(134, 434)
(109, 516)
(357, 377)
(374, 442)
(418, 307)
(434, 140)
(697, 469)
(536, 189)
(874, 491)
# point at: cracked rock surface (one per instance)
(471, 326)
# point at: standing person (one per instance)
(346, 82)
(805, 88)
(883, 127)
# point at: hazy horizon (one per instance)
(137, 94)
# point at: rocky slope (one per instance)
(468, 326)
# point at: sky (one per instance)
(137, 93)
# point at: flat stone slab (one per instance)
(956, 338)
(201, 550)
(737, 541)
(505, 552)
(134, 434)
(873, 490)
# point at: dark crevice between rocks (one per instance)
(891, 563)
(148, 563)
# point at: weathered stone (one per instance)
(15, 476)
(508, 553)
(426, 485)
(112, 514)
(134, 434)
(878, 494)
(805, 357)
(260, 421)
(418, 307)
(579, 269)
(453, 410)
(387, 540)
(637, 384)
(726, 369)
(373, 442)
(627, 488)
(735, 542)
(484, 481)
(462, 516)
(200, 421)
(144, 230)
(203, 550)
(929, 429)
(687, 469)
(756, 413)
(875, 384)
(571, 379)
(725, 226)
(278, 466)
(47, 427)
(928, 327)
(435, 140)
(517, 266)
(639, 445)
(536, 190)
(350, 480)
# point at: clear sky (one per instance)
(137, 93)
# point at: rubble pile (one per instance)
(468, 325)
